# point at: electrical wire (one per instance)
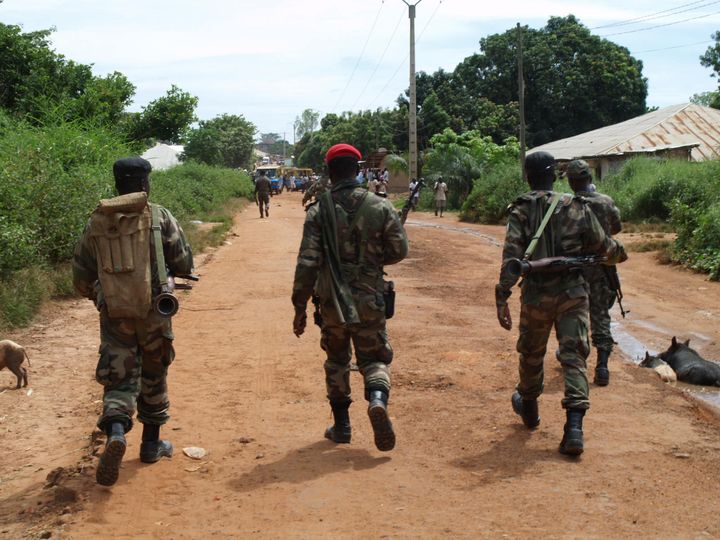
(658, 14)
(407, 56)
(382, 57)
(661, 25)
(362, 52)
(707, 41)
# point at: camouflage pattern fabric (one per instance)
(602, 297)
(554, 299)
(568, 313)
(386, 244)
(316, 189)
(134, 359)
(134, 353)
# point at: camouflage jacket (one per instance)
(386, 241)
(177, 251)
(316, 189)
(604, 209)
(609, 217)
(573, 230)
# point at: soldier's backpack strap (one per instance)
(159, 254)
(533, 243)
(359, 213)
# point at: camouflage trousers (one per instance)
(569, 316)
(373, 353)
(602, 299)
(134, 359)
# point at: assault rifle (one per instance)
(409, 203)
(611, 274)
(520, 268)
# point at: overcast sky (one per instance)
(270, 59)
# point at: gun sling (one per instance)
(538, 234)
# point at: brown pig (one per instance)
(12, 356)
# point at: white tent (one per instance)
(164, 156)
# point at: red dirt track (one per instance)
(248, 391)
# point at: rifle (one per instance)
(611, 274)
(520, 268)
(408, 204)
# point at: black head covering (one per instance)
(539, 162)
(131, 167)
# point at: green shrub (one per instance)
(51, 178)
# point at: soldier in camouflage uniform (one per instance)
(316, 189)
(552, 299)
(134, 353)
(370, 236)
(602, 297)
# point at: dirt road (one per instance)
(244, 388)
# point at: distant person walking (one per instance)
(262, 194)
(440, 190)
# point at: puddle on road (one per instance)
(464, 230)
(635, 350)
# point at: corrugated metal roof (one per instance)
(675, 126)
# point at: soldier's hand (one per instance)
(299, 323)
(503, 315)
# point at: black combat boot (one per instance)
(109, 466)
(572, 441)
(527, 409)
(381, 424)
(602, 373)
(152, 448)
(340, 432)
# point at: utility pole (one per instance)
(413, 95)
(521, 96)
(283, 147)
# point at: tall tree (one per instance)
(711, 59)
(168, 117)
(307, 122)
(576, 81)
(226, 140)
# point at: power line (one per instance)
(658, 14)
(675, 47)
(382, 57)
(662, 25)
(362, 52)
(402, 64)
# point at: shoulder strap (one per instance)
(157, 240)
(533, 243)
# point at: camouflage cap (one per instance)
(578, 169)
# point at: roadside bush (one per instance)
(685, 194)
(51, 178)
(492, 193)
(644, 189)
(195, 190)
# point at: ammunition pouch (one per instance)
(120, 233)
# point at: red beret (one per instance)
(342, 150)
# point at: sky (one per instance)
(268, 60)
